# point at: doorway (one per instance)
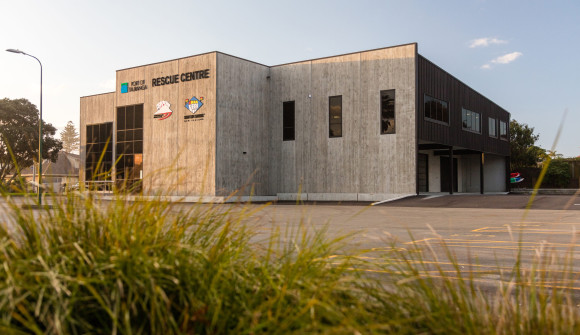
(445, 174)
(423, 173)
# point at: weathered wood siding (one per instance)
(439, 84)
(242, 126)
(362, 160)
(93, 109)
(178, 156)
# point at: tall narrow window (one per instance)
(492, 127)
(388, 112)
(288, 121)
(503, 133)
(335, 116)
(99, 154)
(436, 110)
(470, 120)
(129, 153)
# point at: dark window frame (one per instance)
(289, 120)
(98, 134)
(468, 121)
(503, 131)
(495, 132)
(431, 113)
(129, 144)
(385, 112)
(335, 118)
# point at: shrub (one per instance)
(558, 173)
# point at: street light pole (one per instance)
(39, 127)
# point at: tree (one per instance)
(19, 138)
(524, 152)
(558, 173)
(70, 138)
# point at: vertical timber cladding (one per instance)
(388, 161)
(197, 135)
(178, 150)
(288, 163)
(94, 109)
(243, 127)
(362, 160)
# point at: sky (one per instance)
(523, 55)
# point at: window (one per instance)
(436, 110)
(503, 130)
(288, 121)
(388, 112)
(335, 116)
(492, 127)
(129, 154)
(470, 120)
(99, 144)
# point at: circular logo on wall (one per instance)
(163, 111)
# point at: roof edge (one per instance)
(94, 95)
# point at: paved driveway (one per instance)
(485, 233)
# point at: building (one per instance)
(369, 125)
(56, 176)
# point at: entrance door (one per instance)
(445, 174)
(423, 173)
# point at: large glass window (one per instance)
(492, 127)
(470, 120)
(388, 112)
(436, 110)
(99, 149)
(335, 116)
(129, 153)
(288, 122)
(503, 133)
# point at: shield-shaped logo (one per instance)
(194, 104)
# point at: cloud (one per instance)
(486, 41)
(508, 58)
(505, 59)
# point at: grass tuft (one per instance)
(154, 267)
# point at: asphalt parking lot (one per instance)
(504, 201)
(485, 233)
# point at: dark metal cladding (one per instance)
(437, 83)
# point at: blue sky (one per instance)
(523, 55)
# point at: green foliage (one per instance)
(149, 268)
(558, 173)
(70, 138)
(522, 149)
(153, 267)
(19, 138)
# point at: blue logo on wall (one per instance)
(193, 105)
(124, 87)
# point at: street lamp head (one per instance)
(16, 51)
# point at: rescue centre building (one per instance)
(366, 126)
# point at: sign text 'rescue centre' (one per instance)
(186, 76)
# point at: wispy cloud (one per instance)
(505, 59)
(508, 58)
(485, 41)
